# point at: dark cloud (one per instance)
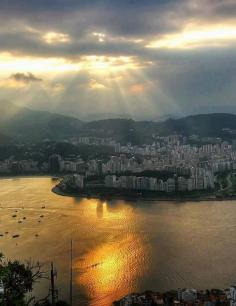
(125, 18)
(181, 80)
(27, 21)
(25, 77)
(68, 5)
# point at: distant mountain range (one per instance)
(104, 116)
(28, 125)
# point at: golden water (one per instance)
(118, 247)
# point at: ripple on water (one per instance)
(118, 247)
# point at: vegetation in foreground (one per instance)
(17, 281)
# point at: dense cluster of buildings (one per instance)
(192, 166)
(175, 184)
(180, 159)
(96, 141)
(174, 145)
(12, 166)
(54, 165)
(181, 297)
(170, 153)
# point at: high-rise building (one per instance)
(55, 162)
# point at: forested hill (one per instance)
(202, 125)
(25, 124)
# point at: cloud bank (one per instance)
(142, 58)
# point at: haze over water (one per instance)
(118, 247)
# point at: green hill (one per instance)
(212, 125)
(206, 125)
(28, 125)
(4, 139)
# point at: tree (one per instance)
(17, 280)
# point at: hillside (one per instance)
(29, 125)
(206, 125)
(215, 125)
(124, 130)
(26, 124)
(4, 139)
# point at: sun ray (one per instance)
(197, 36)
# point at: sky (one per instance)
(144, 59)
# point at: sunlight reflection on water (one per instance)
(119, 247)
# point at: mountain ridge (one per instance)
(29, 125)
(24, 123)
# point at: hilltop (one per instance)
(25, 124)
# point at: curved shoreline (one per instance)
(147, 198)
(59, 192)
(23, 176)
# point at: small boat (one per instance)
(15, 236)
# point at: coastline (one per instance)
(59, 192)
(38, 175)
(181, 198)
